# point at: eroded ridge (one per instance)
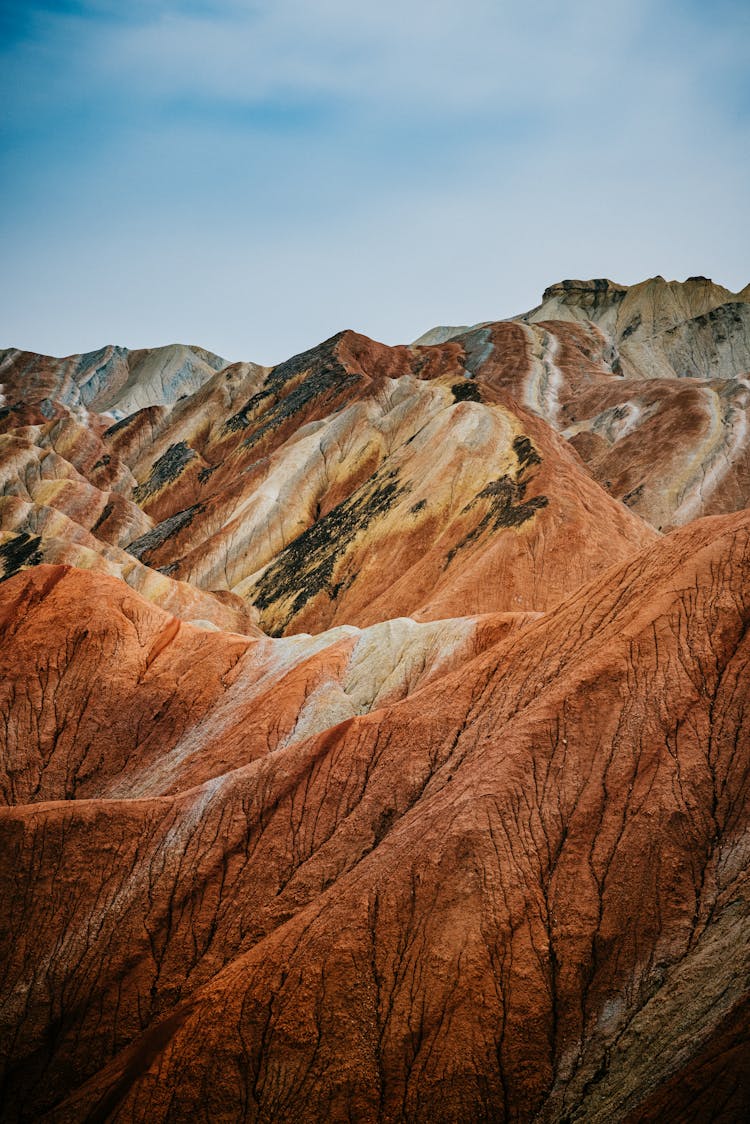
(374, 726)
(479, 901)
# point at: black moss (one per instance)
(419, 364)
(164, 530)
(505, 498)
(322, 355)
(633, 495)
(290, 387)
(466, 392)
(731, 314)
(119, 425)
(205, 473)
(305, 568)
(242, 418)
(599, 291)
(329, 383)
(169, 466)
(108, 509)
(633, 326)
(20, 551)
(525, 452)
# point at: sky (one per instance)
(255, 175)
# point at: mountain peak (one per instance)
(375, 724)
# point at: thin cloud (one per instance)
(255, 175)
(421, 56)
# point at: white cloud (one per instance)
(475, 152)
(420, 55)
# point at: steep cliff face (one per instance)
(373, 747)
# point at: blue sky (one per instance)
(253, 176)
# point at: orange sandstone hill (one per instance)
(375, 730)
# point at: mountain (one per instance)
(376, 737)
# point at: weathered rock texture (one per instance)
(465, 835)
(358, 482)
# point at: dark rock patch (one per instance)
(466, 392)
(20, 551)
(525, 452)
(290, 387)
(118, 426)
(505, 499)
(306, 566)
(163, 531)
(169, 466)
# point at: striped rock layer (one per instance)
(375, 737)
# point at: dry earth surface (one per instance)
(375, 739)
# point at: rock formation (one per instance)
(375, 726)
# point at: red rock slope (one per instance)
(356, 482)
(372, 745)
(649, 383)
(520, 892)
(352, 484)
